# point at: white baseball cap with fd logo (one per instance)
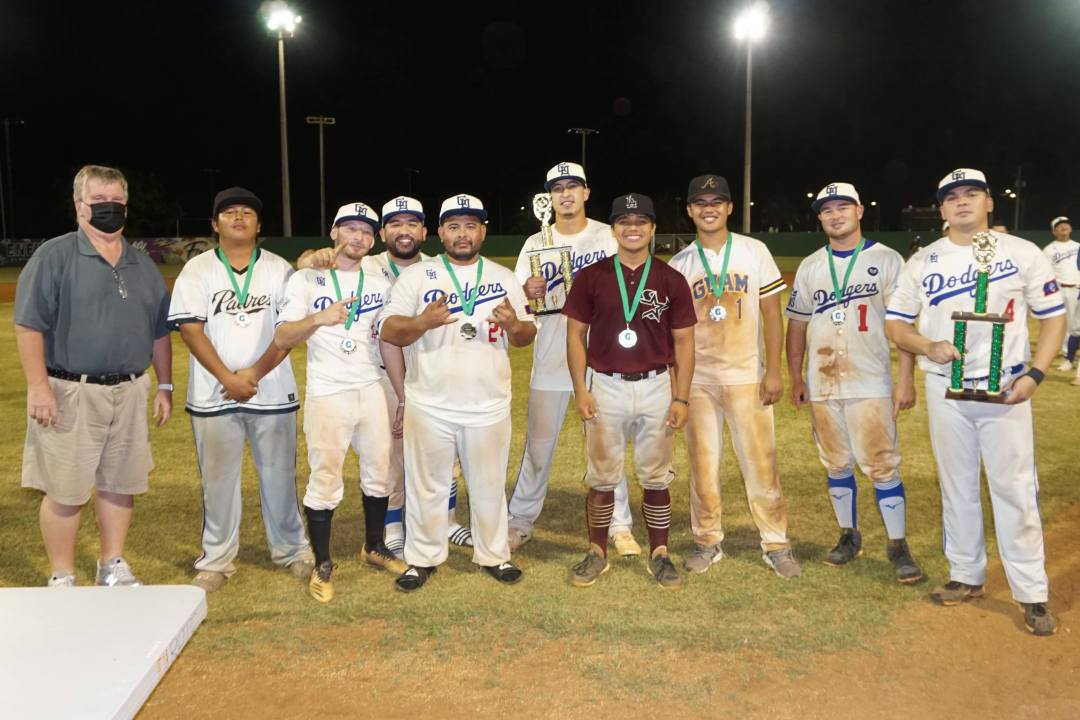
(959, 177)
(462, 205)
(403, 204)
(357, 211)
(835, 191)
(564, 171)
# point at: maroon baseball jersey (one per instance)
(665, 306)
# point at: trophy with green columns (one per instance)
(983, 245)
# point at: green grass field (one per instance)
(739, 604)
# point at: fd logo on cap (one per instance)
(710, 182)
(463, 201)
(830, 190)
(361, 210)
(402, 203)
(958, 175)
(631, 201)
(564, 169)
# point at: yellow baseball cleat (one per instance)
(321, 586)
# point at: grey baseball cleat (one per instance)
(516, 537)
(1038, 620)
(907, 571)
(116, 573)
(783, 563)
(661, 568)
(209, 580)
(955, 592)
(589, 570)
(847, 548)
(703, 557)
(62, 579)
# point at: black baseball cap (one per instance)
(708, 185)
(631, 204)
(237, 196)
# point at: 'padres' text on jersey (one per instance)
(849, 360)
(940, 279)
(203, 293)
(730, 352)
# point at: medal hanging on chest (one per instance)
(839, 315)
(717, 313)
(468, 330)
(348, 344)
(628, 338)
(242, 318)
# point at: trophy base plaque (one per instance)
(980, 317)
(975, 395)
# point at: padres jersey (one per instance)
(730, 352)
(381, 264)
(850, 359)
(330, 369)
(204, 293)
(940, 279)
(591, 245)
(455, 378)
(1064, 261)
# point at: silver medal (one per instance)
(717, 313)
(838, 316)
(242, 319)
(468, 331)
(628, 338)
(348, 346)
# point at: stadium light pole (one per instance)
(322, 121)
(584, 133)
(282, 20)
(750, 27)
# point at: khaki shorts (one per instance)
(101, 440)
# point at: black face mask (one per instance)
(108, 217)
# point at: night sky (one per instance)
(478, 97)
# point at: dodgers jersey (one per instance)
(381, 264)
(329, 368)
(730, 352)
(850, 360)
(1064, 261)
(940, 279)
(204, 293)
(594, 243)
(452, 378)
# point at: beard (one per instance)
(409, 255)
(463, 254)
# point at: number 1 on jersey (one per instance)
(862, 318)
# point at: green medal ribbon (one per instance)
(241, 295)
(467, 304)
(393, 267)
(839, 291)
(717, 286)
(359, 292)
(628, 309)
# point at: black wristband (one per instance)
(1036, 374)
(680, 400)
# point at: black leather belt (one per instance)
(107, 379)
(634, 377)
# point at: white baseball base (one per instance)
(91, 652)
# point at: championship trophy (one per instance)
(983, 246)
(548, 262)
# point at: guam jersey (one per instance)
(329, 368)
(850, 359)
(204, 293)
(730, 352)
(940, 279)
(457, 375)
(594, 243)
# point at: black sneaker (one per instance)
(907, 571)
(847, 549)
(955, 592)
(661, 568)
(413, 579)
(505, 573)
(589, 570)
(1038, 620)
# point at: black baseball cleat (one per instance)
(506, 573)
(413, 579)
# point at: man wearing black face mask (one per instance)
(90, 316)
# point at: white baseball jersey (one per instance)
(381, 264)
(940, 279)
(1063, 259)
(204, 293)
(329, 368)
(458, 380)
(849, 360)
(730, 352)
(591, 245)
